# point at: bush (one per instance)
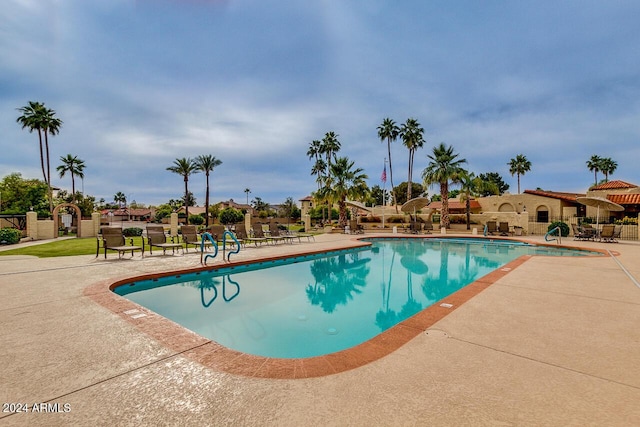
(9, 236)
(564, 228)
(133, 231)
(230, 216)
(196, 219)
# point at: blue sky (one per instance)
(141, 83)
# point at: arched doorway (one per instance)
(56, 218)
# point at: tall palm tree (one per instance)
(36, 116)
(443, 167)
(330, 146)
(120, 199)
(472, 186)
(389, 130)
(344, 182)
(206, 163)
(519, 166)
(30, 119)
(594, 166)
(608, 166)
(75, 167)
(412, 138)
(184, 167)
(247, 191)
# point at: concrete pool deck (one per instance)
(554, 341)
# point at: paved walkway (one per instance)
(553, 342)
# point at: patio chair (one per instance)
(190, 237)
(243, 237)
(427, 227)
(589, 232)
(503, 228)
(606, 234)
(617, 231)
(258, 233)
(276, 233)
(578, 232)
(157, 238)
(491, 228)
(112, 239)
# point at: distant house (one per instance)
(240, 206)
(457, 207)
(541, 205)
(306, 204)
(126, 214)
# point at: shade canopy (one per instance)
(357, 205)
(600, 203)
(415, 204)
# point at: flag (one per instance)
(383, 178)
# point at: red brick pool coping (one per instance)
(213, 355)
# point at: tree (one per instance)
(230, 216)
(184, 167)
(608, 166)
(120, 199)
(443, 168)
(377, 196)
(36, 116)
(471, 187)
(345, 182)
(319, 168)
(20, 195)
(247, 191)
(289, 209)
(207, 163)
(401, 192)
(330, 146)
(389, 130)
(493, 178)
(412, 138)
(75, 167)
(519, 166)
(594, 166)
(259, 205)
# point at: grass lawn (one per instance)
(67, 247)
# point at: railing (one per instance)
(550, 233)
(629, 231)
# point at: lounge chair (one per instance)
(190, 237)
(491, 228)
(112, 239)
(243, 237)
(276, 233)
(415, 227)
(157, 238)
(617, 231)
(258, 233)
(427, 227)
(606, 234)
(503, 228)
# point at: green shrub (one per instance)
(9, 236)
(564, 228)
(133, 231)
(196, 219)
(230, 216)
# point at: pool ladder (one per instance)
(208, 236)
(550, 233)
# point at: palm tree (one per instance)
(473, 186)
(344, 182)
(120, 199)
(594, 166)
(247, 191)
(330, 146)
(206, 163)
(519, 166)
(412, 138)
(608, 166)
(443, 167)
(389, 130)
(37, 116)
(184, 167)
(75, 167)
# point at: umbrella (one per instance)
(599, 202)
(414, 204)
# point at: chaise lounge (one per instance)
(157, 238)
(190, 237)
(112, 239)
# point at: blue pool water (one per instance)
(319, 304)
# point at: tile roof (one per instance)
(568, 197)
(614, 185)
(625, 199)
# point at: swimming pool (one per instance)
(319, 304)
